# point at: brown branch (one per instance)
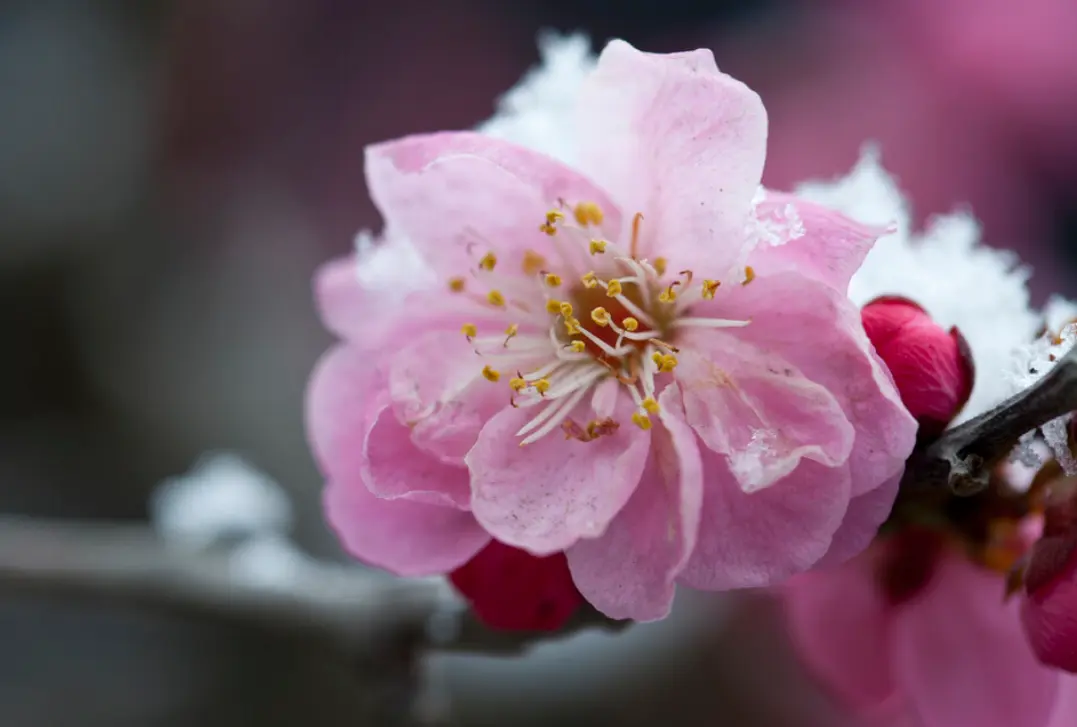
(962, 458)
(361, 611)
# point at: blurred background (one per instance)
(171, 173)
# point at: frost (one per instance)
(221, 497)
(945, 269)
(538, 112)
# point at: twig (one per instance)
(962, 457)
(361, 611)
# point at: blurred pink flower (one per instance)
(912, 633)
(537, 356)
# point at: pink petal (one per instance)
(1065, 713)
(831, 248)
(405, 537)
(962, 658)
(758, 409)
(342, 303)
(546, 495)
(1049, 612)
(629, 571)
(393, 467)
(458, 195)
(672, 137)
(818, 330)
(749, 539)
(342, 405)
(840, 625)
(861, 523)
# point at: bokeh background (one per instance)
(171, 173)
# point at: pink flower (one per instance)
(1049, 611)
(932, 367)
(514, 590)
(640, 368)
(920, 636)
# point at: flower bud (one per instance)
(1049, 611)
(932, 367)
(511, 589)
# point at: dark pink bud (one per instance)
(1049, 611)
(513, 590)
(932, 367)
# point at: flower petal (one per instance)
(750, 539)
(629, 571)
(961, 655)
(758, 409)
(840, 625)
(341, 407)
(672, 137)
(456, 193)
(818, 330)
(545, 496)
(830, 249)
(405, 537)
(862, 520)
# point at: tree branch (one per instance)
(361, 611)
(962, 457)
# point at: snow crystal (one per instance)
(221, 497)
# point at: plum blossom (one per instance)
(647, 363)
(915, 634)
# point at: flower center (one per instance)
(587, 312)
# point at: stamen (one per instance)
(572, 327)
(641, 420)
(664, 361)
(517, 384)
(495, 298)
(598, 247)
(577, 346)
(491, 374)
(533, 263)
(708, 323)
(588, 213)
(589, 280)
(488, 261)
(470, 330)
(552, 218)
(511, 331)
(634, 249)
(553, 280)
(553, 415)
(660, 265)
(457, 284)
(650, 404)
(553, 307)
(566, 310)
(749, 274)
(542, 386)
(709, 288)
(613, 288)
(600, 316)
(630, 324)
(669, 295)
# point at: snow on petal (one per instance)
(758, 409)
(629, 572)
(671, 137)
(546, 495)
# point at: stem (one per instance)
(962, 458)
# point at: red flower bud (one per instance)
(1049, 611)
(513, 590)
(932, 367)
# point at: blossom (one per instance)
(932, 367)
(921, 637)
(647, 364)
(1049, 611)
(514, 590)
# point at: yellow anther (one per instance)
(588, 213)
(665, 362)
(630, 324)
(613, 288)
(749, 274)
(491, 374)
(709, 288)
(589, 280)
(659, 265)
(542, 386)
(533, 263)
(650, 405)
(641, 420)
(577, 346)
(598, 247)
(566, 310)
(657, 358)
(668, 295)
(457, 284)
(510, 332)
(572, 326)
(517, 384)
(553, 280)
(496, 298)
(552, 218)
(488, 261)
(553, 307)
(469, 330)
(600, 316)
